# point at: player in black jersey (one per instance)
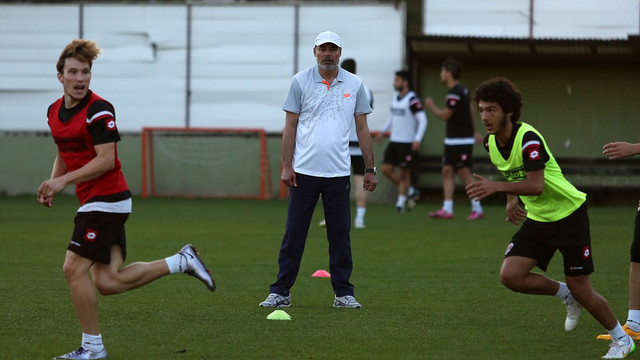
(459, 140)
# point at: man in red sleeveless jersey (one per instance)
(83, 126)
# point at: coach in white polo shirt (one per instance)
(322, 103)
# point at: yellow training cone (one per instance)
(279, 315)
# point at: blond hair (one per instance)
(83, 50)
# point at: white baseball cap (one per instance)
(328, 37)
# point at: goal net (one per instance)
(205, 162)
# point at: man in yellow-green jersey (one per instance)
(555, 215)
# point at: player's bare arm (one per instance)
(531, 186)
(288, 176)
(481, 188)
(104, 161)
(620, 150)
(515, 214)
(444, 114)
(59, 169)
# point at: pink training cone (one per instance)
(321, 273)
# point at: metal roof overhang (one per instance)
(531, 51)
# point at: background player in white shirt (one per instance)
(407, 123)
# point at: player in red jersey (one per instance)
(83, 126)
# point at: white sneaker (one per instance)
(81, 353)
(620, 350)
(276, 301)
(195, 267)
(359, 223)
(346, 301)
(410, 204)
(573, 313)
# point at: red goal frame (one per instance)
(148, 176)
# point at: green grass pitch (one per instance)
(429, 288)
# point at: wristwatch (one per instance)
(373, 170)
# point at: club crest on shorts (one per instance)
(91, 235)
(586, 253)
(509, 247)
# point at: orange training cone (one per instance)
(321, 274)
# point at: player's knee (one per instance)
(72, 270)
(447, 171)
(580, 288)
(105, 288)
(68, 270)
(106, 285)
(510, 280)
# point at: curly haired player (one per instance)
(556, 215)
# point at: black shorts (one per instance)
(357, 165)
(96, 233)
(571, 235)
(635, 245)
(458, 156)
(399, 154)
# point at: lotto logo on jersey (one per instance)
(111, 125)
(586, 253)
(91, 235)
(535, 154)
(532, 149)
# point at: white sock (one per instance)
(402, 199)
(475, 206)
(563, 292)
(176, 263)
(633, 320)
(92, 342)
(360, 213)
(411, 191)
(617, 334)
(447, 206)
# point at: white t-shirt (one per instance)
(354, 150)
(326, 112)
(408, 121)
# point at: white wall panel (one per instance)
(31, 38)
(242, 59)
(611, 19)
(560, 19)
(491, 18)
(142, 69)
